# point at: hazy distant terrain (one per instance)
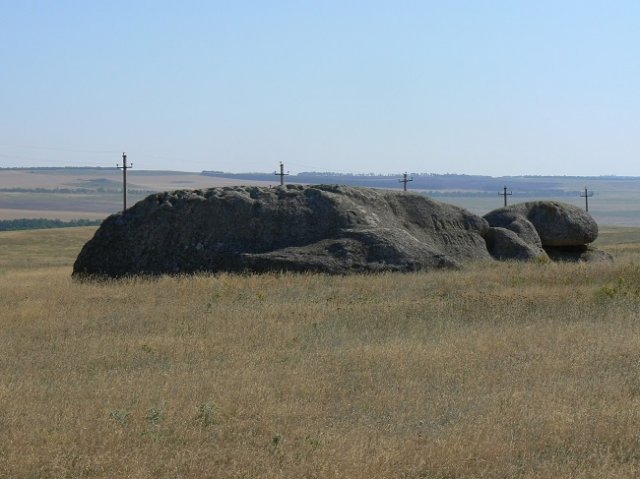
(616, 200)
(87, 193)
(94, 193)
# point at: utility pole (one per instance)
(586, 196)
(124, 168)
(282, 174)
(405, 180)
(505, 194)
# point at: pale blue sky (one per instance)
(477, 87)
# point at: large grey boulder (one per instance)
(326, 228)
(557, 224)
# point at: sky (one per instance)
(472, 87)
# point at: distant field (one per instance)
(500, 370)
(98, 192)
(615, 202)
(95, 193)
(78, 178)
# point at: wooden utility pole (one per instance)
(124, 168)
(282, 174)
(405, 180)
(505, 194)
(586, 196)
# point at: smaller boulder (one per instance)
(557, 224)
(520, 226)
(505, 244)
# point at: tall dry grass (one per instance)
(499, 370)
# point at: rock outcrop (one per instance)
(557, 231)
(326, 228)
(331, 229)
(505, 244)
(557, 224)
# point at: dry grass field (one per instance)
(497, 371)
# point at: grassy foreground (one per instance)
(498, 371)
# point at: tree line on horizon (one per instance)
(43, 223)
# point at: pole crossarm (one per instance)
(586, 195)
(505, 193)
(405, 180)
(282, 174)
